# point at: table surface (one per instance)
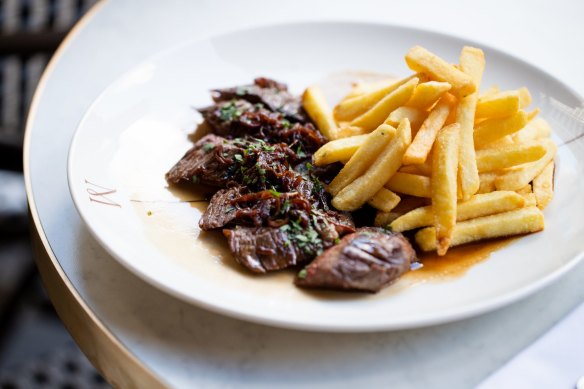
(139, 336)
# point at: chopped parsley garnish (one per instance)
(195, 180)
(337, 240)
(238, 157)
(309, 166)
(300, 152)
(286, 123)
(229, 112)
(388, 228)
(306, 238)
(207, 147)
(274, 192)
(302, 273)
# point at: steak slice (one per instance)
(264, 249)
(221, 210)
(366, 260)
(202, 163)
(239, 118)
(272, 94)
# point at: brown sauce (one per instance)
(457, 261)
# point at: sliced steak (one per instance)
(272, 209)
(221, 211)
(272, 94)
(264, 249)
(239, 118)
(207, 162)
(366, 260)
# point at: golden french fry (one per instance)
(530, 199)
(524, 97)
(414, 115)
(543, 186)
(345, 131)
(410, 184)
(505, 141)
(380, 111)
(421, 60)
(444, 189)
(424, 139)
(526, 189)
(532, 114)
(507, 156)
(535, 129)
(477, 206)
(518, 177)
(490, 91)
(498, 105)
(366, 87)
(472, 63)
(315, 104)
(492, 129)
(384, 200)
(487, 182)
(349, 109)
(427, 94)
(422, 169)
(516, 222)
(363, 157)
(338, 150)
(407, 203)
(363, 188)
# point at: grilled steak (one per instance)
(366, 260)
(271, 94)
(264, 249)
(239, 118)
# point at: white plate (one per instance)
(137, 129)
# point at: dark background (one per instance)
(35, 349)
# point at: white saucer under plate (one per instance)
(139, 126)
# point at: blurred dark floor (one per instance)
(35, 349)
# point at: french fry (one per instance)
(487, 182)
(535, 129)
(338, 150)
(407, 203)
(477, 206)
(315, 104)
(349, 109)
(444, 189)
(424, 139)
(414, 115)
(543, 186)
(498, 105)
(505, 141)
(427, 94)
(421, 60)
(530, 199)
(366, 87)
(524, 97)
(345, 131)
(363, 188)
(516, 222)
(380, 111)
(522, 175)
(422, 169)
(490, 91)
(384, 200)
(507, 156)
(363, 157)
(410, 184)
(472, 63)
(525, 190)
(532, 114)
(492, 129)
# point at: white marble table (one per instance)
(140, 337)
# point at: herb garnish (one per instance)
(207, 147)
(229, 111)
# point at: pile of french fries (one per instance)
(430, 153)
